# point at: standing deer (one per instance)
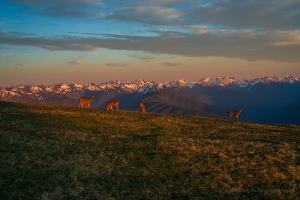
(234, 113)
(143, 106)
(112, 103)
(85, 101)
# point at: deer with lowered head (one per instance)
(112, 103)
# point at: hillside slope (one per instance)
(255, 108)
(283, 93)
(59, 152)
(290, 114)
(182, 102)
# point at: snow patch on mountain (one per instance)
(6, 93)
(182, 83)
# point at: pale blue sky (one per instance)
(82, 41)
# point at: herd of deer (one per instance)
(87, 102)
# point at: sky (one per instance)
(95, 41)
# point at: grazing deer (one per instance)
(85, 101)
(112, 103)
(143, 106)
(234, 113)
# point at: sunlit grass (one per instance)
(55, 152)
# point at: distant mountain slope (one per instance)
(158, 107)
(179, 101)
(102, 97)
(290, 115)
(169, 101)
(255, 108)
(61, 100)
(283, 93)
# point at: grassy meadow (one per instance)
(57, 152)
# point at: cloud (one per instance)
(77, 61)
(19, 64)
(57, 43)
(170, 64)
(65, 8)
(201, 29)
(272, 14)
(250, 30)
(147, 15)
(145, 58)
(6, 55)
(42, 2)
(293, 39)
(117, 64)
(159, 2)
(243, 44)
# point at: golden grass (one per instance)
(56, 152)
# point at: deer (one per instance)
(85, 101)
(112, 103)
(143, 106)
(234, 113)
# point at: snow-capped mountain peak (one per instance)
(142, 86)
(182, 83)
(221, 81)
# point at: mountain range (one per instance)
(263, 99)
